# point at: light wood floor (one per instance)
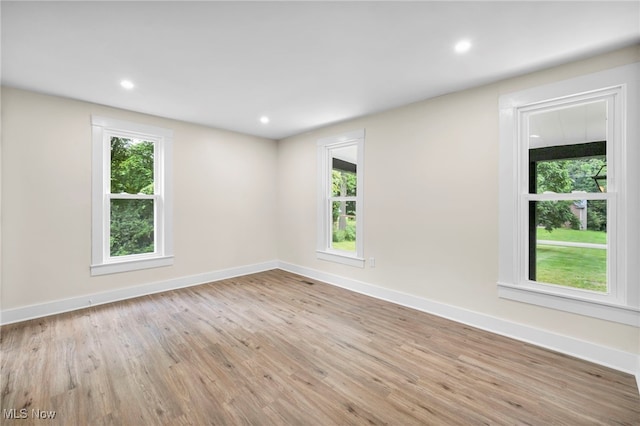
(275, 348)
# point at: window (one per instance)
(340, 198)
(567, 196)
(131, 225)
(568, 236)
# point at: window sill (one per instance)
(337, 257)
(616, 313)
(131, 265)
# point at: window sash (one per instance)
(157, 226)
(330, 242)
(345, 198)
(610, 247)
(125, 196)
(569, 197)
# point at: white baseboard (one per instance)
(65, 305)
(609, 357)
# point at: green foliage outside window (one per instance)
(564, 176)
(131, 166)
(132, 220)
(131, 227)
(344, 223)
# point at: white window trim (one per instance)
(324, 250)
(102, 130)
(622, 304)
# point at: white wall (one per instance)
(431, 204)
(224, 200)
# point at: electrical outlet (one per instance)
(372, 262)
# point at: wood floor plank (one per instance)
(277, 348)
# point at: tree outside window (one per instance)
(132, 219)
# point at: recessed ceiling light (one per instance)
(534, 136)
(127, 84)
(462, 46)
(264, 119)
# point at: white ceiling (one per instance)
(303, 64)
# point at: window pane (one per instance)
(344, 171)
(566, 176)
(569, 245)
(131, 166)
(132, 227)
(343, 183)
(343, 229)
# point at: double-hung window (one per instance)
(132, 204)
(569, 196)
(340, 161)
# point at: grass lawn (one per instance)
(344, 245)
(576, 267)
(562, 234)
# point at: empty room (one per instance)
(320, 213)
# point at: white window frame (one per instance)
(620, 88)
(324, 250)
(103, 129)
